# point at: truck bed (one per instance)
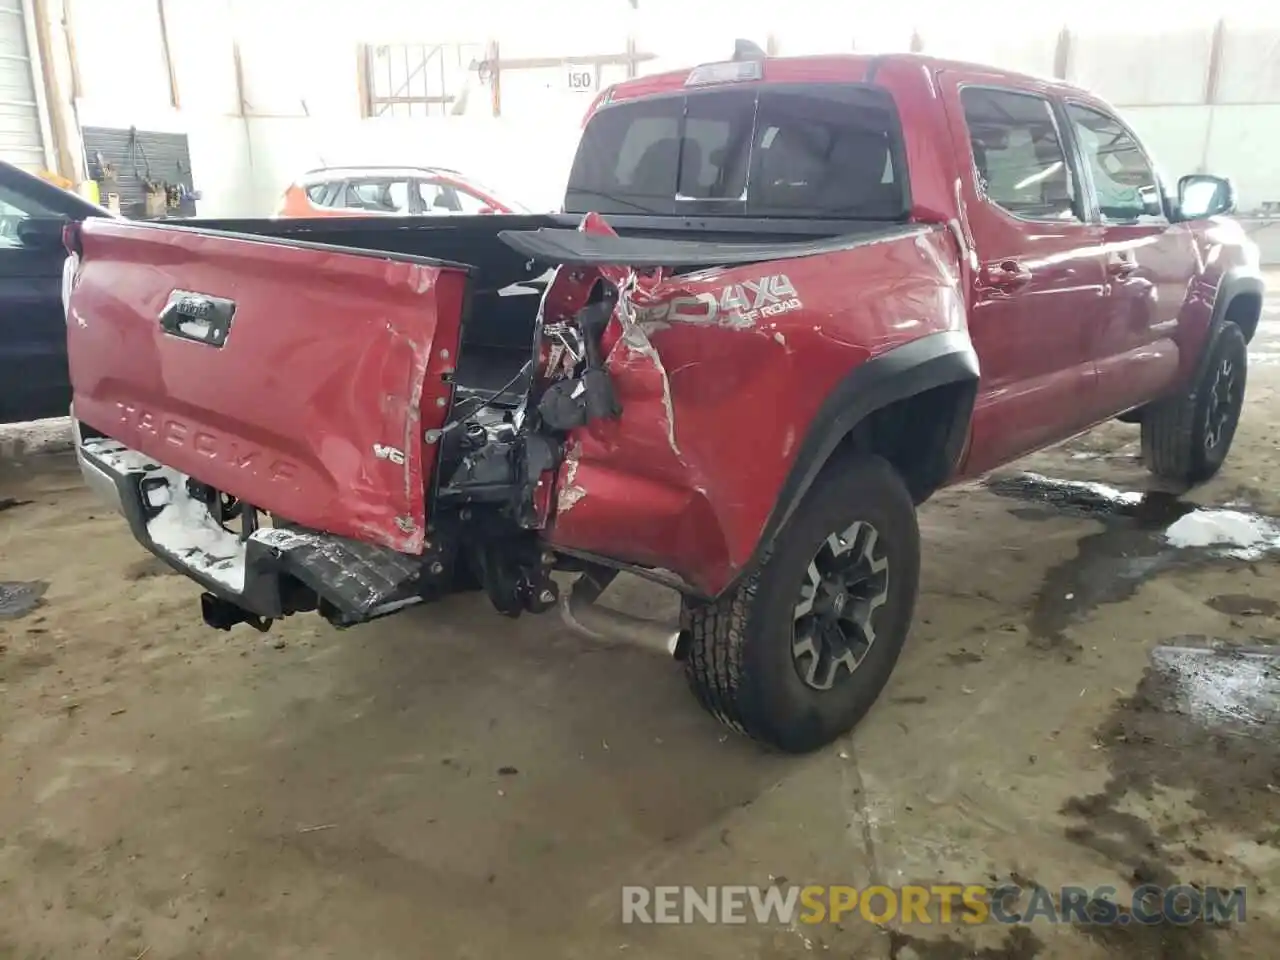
(510, 255)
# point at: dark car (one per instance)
(33, 335)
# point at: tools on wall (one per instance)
(141, 174)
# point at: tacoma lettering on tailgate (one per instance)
(244, 456)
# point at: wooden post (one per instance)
(168, 56)
(60, 119)
(495, 78)
(239, 66)
(363, 84)
(1062, 54)
(1213, 76)
(77, 88)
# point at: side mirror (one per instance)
(1201, 195)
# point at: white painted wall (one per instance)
(298, 64)
(527, 160)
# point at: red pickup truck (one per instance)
(788, 300)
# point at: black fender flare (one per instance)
(935, 360)
(1234, 282)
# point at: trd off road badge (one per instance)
(737, 305)
(767, 297)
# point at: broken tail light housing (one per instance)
(70, 265)
(71, 237)
(603, 98)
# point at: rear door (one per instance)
(437, 198)
(1038, 297)
(299, 378)
(378, 196)
(1149, 262)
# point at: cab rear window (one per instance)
(820, 150)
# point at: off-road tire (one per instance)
(740, 660)
(1185, 438)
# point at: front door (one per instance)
(1038, 293)
(33, 333)
(1149, 262)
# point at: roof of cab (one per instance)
(829, 68)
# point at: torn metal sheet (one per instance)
(570, 493)
(719, 374)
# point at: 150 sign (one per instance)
(580, 79)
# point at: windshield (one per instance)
(813, 150)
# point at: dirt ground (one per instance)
(1080, 702)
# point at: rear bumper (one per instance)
(269, 573)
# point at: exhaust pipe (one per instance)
(579, 611)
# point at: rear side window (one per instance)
(824, 150)
(317, 192)
(1018, 155)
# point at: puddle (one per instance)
(1203, 722)
(1243, 605)
(1019, 943)
(1093, 501)
(18, 598)
(1143, 535)
(1226, 686)
(1205, 718)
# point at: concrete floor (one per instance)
(448, 783)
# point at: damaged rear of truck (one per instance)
(746, 362)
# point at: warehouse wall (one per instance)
(290, 66)
(526, 160)
(120, 79)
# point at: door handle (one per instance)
(1121, 266)
(1007, 275)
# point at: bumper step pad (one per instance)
(361, 580)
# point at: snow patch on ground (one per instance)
(19, 440)
(1242, 536)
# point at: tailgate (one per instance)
(296, 377)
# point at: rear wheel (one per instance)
(798, 652)
(1186, 438)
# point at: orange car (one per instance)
(389, 191)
